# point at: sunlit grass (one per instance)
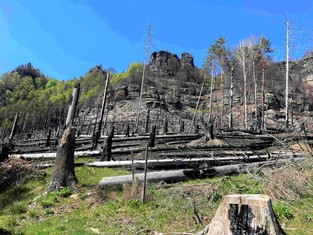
(169, 208)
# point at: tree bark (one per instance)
(63, 170)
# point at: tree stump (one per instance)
(209, 134)
(250, 214)
(4, 151)
(107, 147)
(63, 170)
(151, 142)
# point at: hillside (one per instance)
(261, 159)
(171, 92)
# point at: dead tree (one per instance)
(63, 174)
(48, 138)
(4, 151)
(208, 128)
(127, 130)
(147, 121)
(165, 128)
(182, 127)
(107, 147)
(151, 142)
(14, 127)
(98, 131)
(63, 170)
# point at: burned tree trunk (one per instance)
(165, 128)
(63, 174)
(63, 170)
(244, 214)
(208, 128)
(152, 137)
(48, 138)
(4, 151)
(127, 130)
(107, 147)
(147, 121)
(182, 127)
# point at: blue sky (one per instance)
(65, 38)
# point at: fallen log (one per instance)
(53, 155)
(247, 167)
(176, 163)
(182, 175)
(152, 177)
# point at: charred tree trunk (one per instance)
(244, 214)
(165, 130)
(152, 137)
(48, 138)
(4, 152)
(107, 147)
(208, 128)
(63, 174)
(127, 130)
(63, 170)
(147, 121)
(182, 127)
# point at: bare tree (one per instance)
(243, 56)
(287, 71)
(147, 47)
(63, 170)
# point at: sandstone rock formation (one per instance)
(164, 63)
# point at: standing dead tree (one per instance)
(107, 147)
(63, 174)
(148, 42)
(98, 131)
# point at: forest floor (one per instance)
(179, 208)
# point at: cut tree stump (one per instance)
(244, 214)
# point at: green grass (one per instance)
(169, 208)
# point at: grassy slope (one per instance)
(182, 207)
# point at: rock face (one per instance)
(97, 69)
(164, 63)
(187, 60)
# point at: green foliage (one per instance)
(133, 73)
(51, 82)
(217, 55)
(283, 211)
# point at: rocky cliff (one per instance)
(164, 63)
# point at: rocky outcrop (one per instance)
(166, 64)
(187, 60)
(97, 69)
